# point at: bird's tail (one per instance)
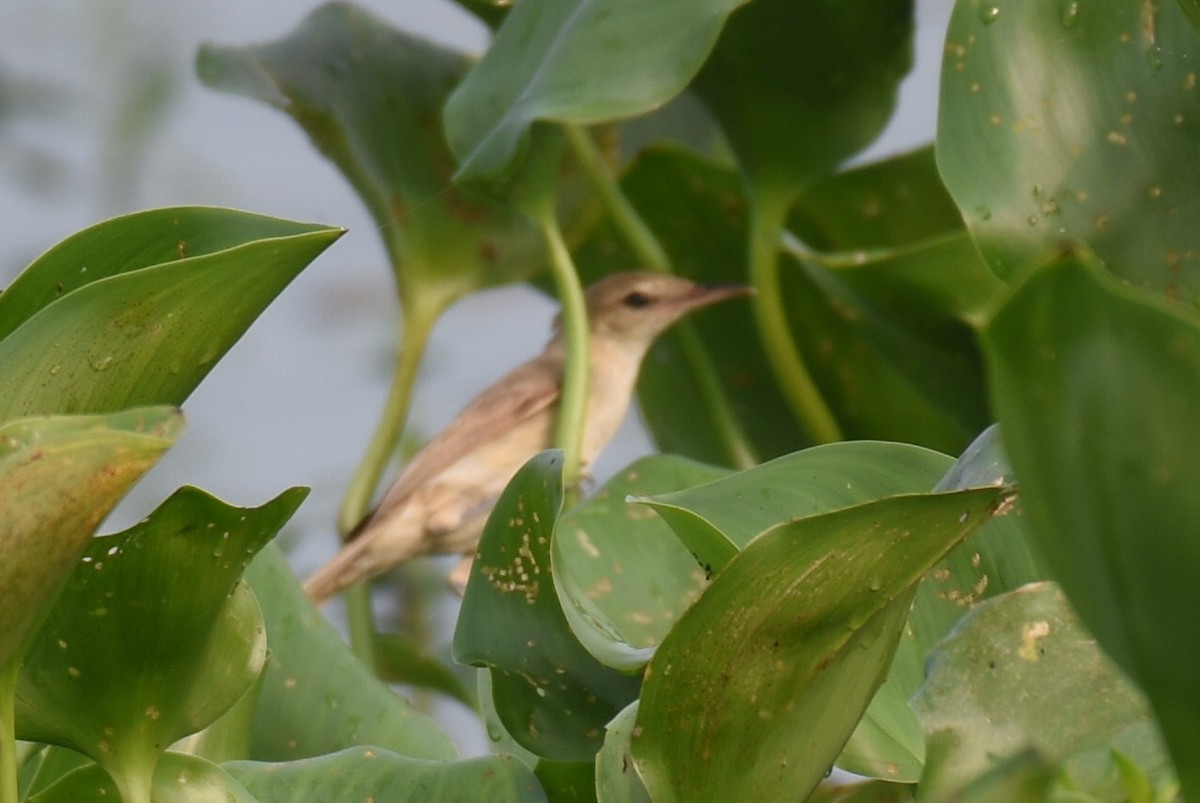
(348, 566)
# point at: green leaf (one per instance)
(567, 781)
(617, 779)
(1020, 673)
(126, 664)
(575, 61)
(764, 678)
(1026, 776)
(178, 779)
(898, 201)
(718, 518)
(890, 231)
(371, 773)
(799, 87)
(1100, 148)
(622, 576)
(48, 765)
(1192, 9)
(1095, 385)
(138, 309)
(316, 697)
(59, 477)
(888, 369)
(401, 659)
(552, 696)
(370, 98)
(889, 743)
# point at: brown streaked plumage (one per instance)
(440, 501)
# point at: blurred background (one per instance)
(101, 114)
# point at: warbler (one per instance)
(439, 503)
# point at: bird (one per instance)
(440, 501)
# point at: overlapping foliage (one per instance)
(809, 577)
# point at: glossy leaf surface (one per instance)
(798, 628)
(799, 87)
(316, 697)
(889, 742)
(617, 779)
(575, 61)
(59, 477)
(1020, 673)
(178, 779)
(137, 310)
(1095, 385)
(717, 519)
(370, 97)
(622, 575)
(370, 773)
(126, 665)
(1076, 121)
(553, 697)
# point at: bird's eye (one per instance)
(638, 300)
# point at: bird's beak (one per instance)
(704, 294)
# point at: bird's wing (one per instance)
(524, 392)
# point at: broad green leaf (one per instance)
(553, 697)
(761, 682)
(1020, 673)
(372, 773)
(887, 369)
(889, 743)
(575, 61)
(716, 519)
(316, 697)
(698, 211)
(1025, 777)
(1095, 385)
(799, 87)
(370, 98)
(1071, 120)
(890, 231)
(400, 659)
(177, 779)
(126, 664)
(1192, 9)
(59, 477)
(135, 241)
(617, 779)
(573, 781)
(898, 201)
(622, 576)
(48, 765)
(138, 309)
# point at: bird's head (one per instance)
(638, 306)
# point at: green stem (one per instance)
(572, 415)
(629, 223)
(416, 326)
(768, 213)
(8, 731)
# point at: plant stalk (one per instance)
(629, 223)
(416, 325)
(8, 732)
(768, 213)
(572, 414)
